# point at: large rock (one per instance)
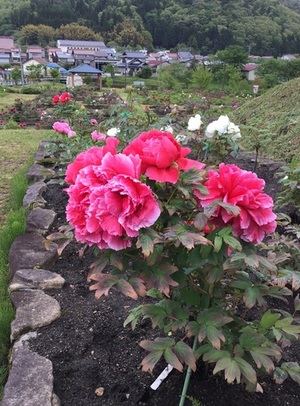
(33, 197)
(34, 309)
(43, 152)
(38, 173)
(30, 382)
(36, 279)
(40, 220)
(29, 251)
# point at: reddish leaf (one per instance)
(103, 286)
(127, 290)
(172, 359)
(185, 354)
(139, 286)
(149, 362)
(161, 279)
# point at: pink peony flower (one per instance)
(108, 204)
(96, 136)
(92, 156)
(63, 128)
(162, 157)
(242, 189)
(93, 121)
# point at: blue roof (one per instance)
(85, 68)
(52, 65)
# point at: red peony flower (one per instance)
(92, 156)
(55, 99)
(65, 97)
(162, 157)
(242, 189)
(108, 204)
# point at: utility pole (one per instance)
(21, 67)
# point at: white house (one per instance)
(250, 71)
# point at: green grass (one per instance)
(15, 225)
(8, 99)
(16, 147)
(278, 110)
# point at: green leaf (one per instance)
(218, 242)
(279, 375)
(269, 319)
(232, 242)
(247, 370)
(215, 336)
(297, 303)
(146, 242)
(262, 359)
(231, 369)
(253, 295)
(230, 208)
(133, 317)
(287, 321)
(116, 261)
(293, 369)
(250, 339)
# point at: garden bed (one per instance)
(93, 354)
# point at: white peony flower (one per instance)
(219, 126)
(112, 132)
(195, 123)
(168, 129)
(235, 131)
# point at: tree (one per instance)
(233, 55)
(201, 78)
(76, 31)
(145, 72)
(16, 75)
(126, 34)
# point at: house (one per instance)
(103, 57)
(132, 66)
(6, 43)
(157, 64)
(130, 55)
(250, 71)
(288, 57)
(4, 58)
(83, 56)
(35, 51)
(33, 62)
(64, 58)
(67, 45)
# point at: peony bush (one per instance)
(191, 235)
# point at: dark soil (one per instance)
(90, 348)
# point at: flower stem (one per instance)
(187, 377)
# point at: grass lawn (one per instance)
(16, 147)
(7, 99)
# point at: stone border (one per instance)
(30, 380)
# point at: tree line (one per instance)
(203, 26)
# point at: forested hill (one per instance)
(261, 26)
